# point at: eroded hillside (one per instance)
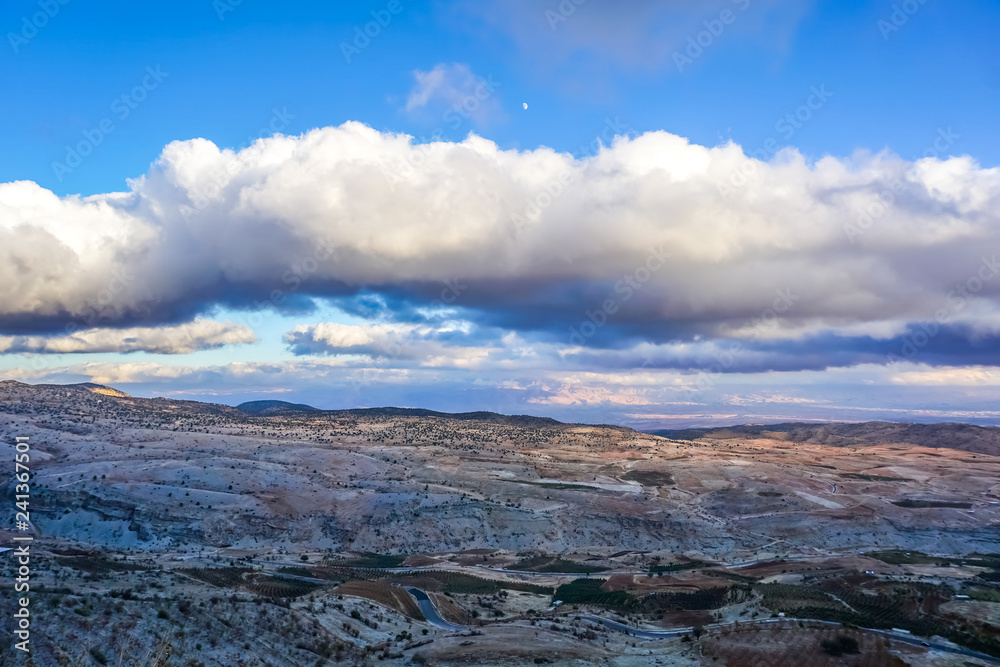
(157, 473)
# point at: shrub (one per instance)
(840, 646)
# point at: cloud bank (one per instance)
(180, 339)
(645, 38)
(652, 241)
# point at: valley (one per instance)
(308, 535)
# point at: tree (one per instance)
(841, 645)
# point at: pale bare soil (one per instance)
(145, 473)
(186, 485)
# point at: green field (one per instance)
(554, 564)
(929, 504)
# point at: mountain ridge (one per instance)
(267, 407)
(954, 435)
(93, 394)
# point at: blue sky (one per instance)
(226, 75)
(829, 97)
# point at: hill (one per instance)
(495, 417)
(159, 473)
(274, 407)
(93, 398)
(284, 408)
(964, 437)
(254, 507)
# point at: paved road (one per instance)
(677, 632)
(430, 612)
(427, 607)
(285, 575)
(636, 632)
(434, 618)
(499, 570)
(529, 573)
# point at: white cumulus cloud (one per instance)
(652, 238)
(180, 339)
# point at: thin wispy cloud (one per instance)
(185, 338)
(452, 93)
(646, 36)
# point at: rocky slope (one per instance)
(160, 474)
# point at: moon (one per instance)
(525, 105)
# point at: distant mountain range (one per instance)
(966, 437)
(52, 395)
(284, 408)
(274, 407)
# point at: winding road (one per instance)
(433, 616)
(428, 609)
(430, 612)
